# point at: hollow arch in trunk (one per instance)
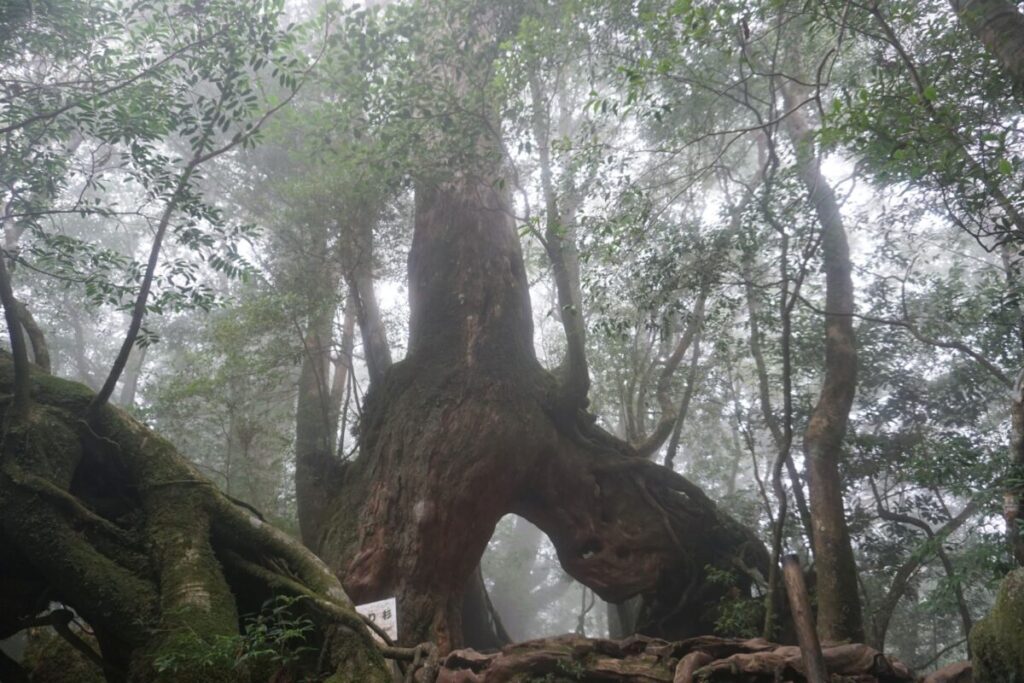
(469, 427)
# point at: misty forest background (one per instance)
(669, 156)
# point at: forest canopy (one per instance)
(535, 316)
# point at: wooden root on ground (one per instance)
(647, 660)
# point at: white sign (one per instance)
(384, 614)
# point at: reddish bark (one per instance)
(469, 427)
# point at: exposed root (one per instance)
(650, 660)
(109, 519)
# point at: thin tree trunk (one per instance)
(83, 367)
(764, 396)
(839, 611)
(21, 398)
(999, 25)
(623, 617)
(36, 338)
(359, 274)
(342, 370)
(670, 413)
(684, 405)
(1013, 496)
(900, 584)
(481, 622)
(316, 468)
(560, 244)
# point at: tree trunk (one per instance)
(359, 274)
(1013, 500)
(1013, 496)
(316, 468)
(622, 617)
(469, 427)
(999, 25)
(998, 650)
(839, 612)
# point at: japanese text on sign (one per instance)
(384, 614)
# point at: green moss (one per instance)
(59, 392)
(997, 641)
(51, 659)
(356, 662)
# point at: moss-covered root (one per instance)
(352, 662)
(110, 518)
(997, 641)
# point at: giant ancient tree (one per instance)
(469, 426)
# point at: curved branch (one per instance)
(36, 337)
(669, 412)
(141, 300)
(684, 405)
(901, 579)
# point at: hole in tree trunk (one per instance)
(590, 548)
(529, 589)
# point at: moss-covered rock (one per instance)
(997, 641)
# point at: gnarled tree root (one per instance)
(648, 660)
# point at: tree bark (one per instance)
(839, 611)
(1013, 498)
(999, 25)
(20, 388)
(803, 618)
